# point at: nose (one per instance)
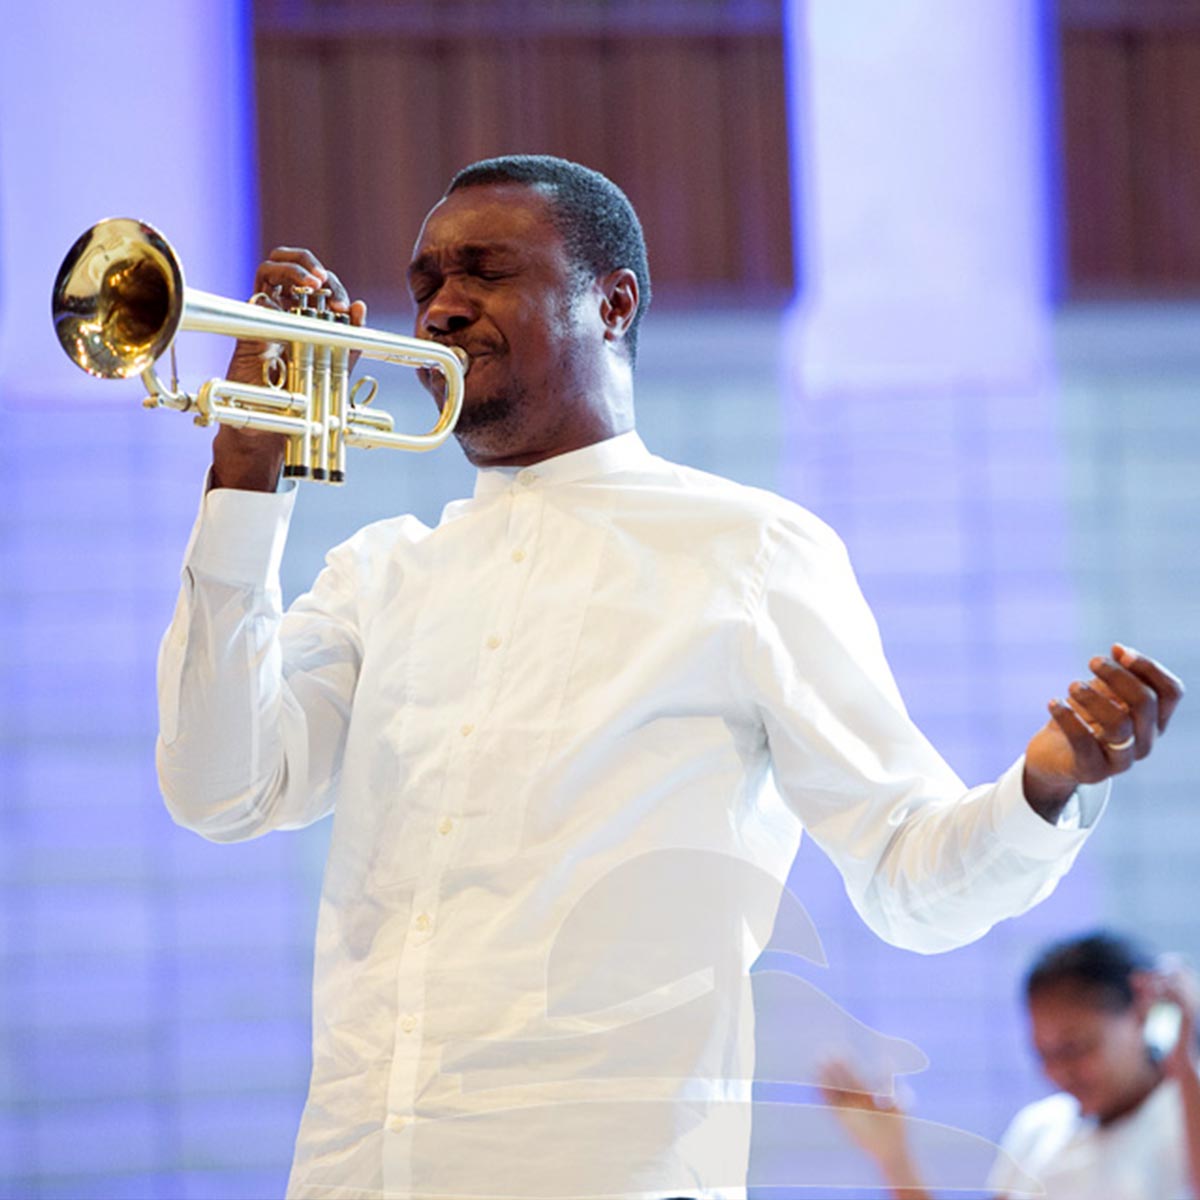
(450, 310)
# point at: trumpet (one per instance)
(120, 299)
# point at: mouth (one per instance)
(433, 381)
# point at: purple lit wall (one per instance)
(1006, 520)
(118, 988)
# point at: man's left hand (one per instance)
(1106, 725)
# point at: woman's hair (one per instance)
(1096, 966)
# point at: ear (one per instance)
(619, 303)
(1147, 990)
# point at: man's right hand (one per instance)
(251, 459)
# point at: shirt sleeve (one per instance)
(929, 864)
(254, 705)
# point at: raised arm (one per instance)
(254, 706)
(927, 863)
(876, 1127)
(1178, 985)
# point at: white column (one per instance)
(918, 135)
(118, 109)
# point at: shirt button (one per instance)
(423, 922)
(396, 1124)
(527, 478)
(518, 556)
(493, 643)
(408, 1025)
(466, 730)
(446, 826)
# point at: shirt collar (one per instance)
(619, 453)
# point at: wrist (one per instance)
(899, 1170)
(1181, 1066)
(247, 461)
(1047, 794)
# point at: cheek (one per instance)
(1127, 1051)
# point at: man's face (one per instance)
(490, 273)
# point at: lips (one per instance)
(432, 381)
(474, 352)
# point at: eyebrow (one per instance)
(469, 255)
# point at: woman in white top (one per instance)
(1125, 1124)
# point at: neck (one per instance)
(529, 456)
(607, 413)
(1135, 1099)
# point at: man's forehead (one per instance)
(487, 214)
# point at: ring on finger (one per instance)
(1117, 747)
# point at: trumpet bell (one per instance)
(118, 298)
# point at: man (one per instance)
(586, 672)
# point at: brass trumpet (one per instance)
(120, 299)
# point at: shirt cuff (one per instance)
(1018, 825)
(238, 537)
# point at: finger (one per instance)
(1141, 699)
(1170, 991)
(358, 312)
(1110, 720)
(1092, 764)
(1167, 686)
(300, 257)
(1181, 979)
(1104, 690)
(339, 298)
(275, 277)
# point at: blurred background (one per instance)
(931, 269)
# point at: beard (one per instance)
(490, 424)
(491, 410)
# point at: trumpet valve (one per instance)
(301, 306)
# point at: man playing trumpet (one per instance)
(598, 658)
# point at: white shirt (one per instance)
(1142, 1156)
(546, 729)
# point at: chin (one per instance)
(487, 423)
(1089, 1104)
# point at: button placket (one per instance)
(421, 937)
(403, 1080)
(524, 506)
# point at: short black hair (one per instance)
(1098, 965)
(598, 224)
